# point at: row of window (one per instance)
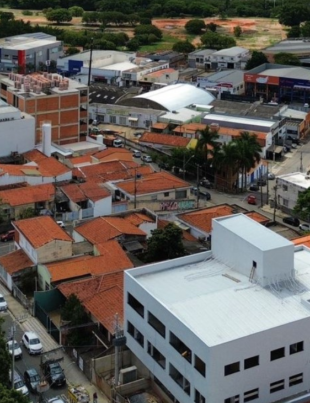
(254, 361)
(274, 387)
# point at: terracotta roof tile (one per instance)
(34, 155)
(138, 218)
(159, 73)
(113, 154)
(102, 229)
(159, 125)
(28, 195)
(302, 240)
(164, 139)
(155, 182)
(260, 218)
(41, 230)
(89, 190)
(190, 128)
(15, 261)
(82, 159)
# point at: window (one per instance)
(180, 379)
(284, 187)
(254, 264)
(135, 334)
(122, 121)
(199, 398)
(181, 348)
(251, 362)
(297, 347)
(276, 386)
(232, 368)
(285, 202)
(180, 194)
(157, 325)
(276, 354)
(250, 395)
(112, 119)
(166, 194)
(156, 355)
(135, 304)
(295, 379)
(233, 399)
(200, 366)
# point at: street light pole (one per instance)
(275, 203)
(90, 59)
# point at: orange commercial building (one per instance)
(50, 97)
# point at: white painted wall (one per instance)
(103, 207)
(147, 227)
(7, 179)
(77, 237)
(27, 248)
(17, 135)
(288, 198)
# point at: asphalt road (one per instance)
(28, 361)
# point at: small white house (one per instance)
(289, 186)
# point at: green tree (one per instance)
(133, 44)
(293, 14)
(286, 58)
(213, 40)
(4, 359)
(148, 29)
(226, 163)
(211, 27)
(305, 29)
(8, 395)
(27, 213)
(248, 150)
(302, 207)
(195, 27)
(59, 15)
(294, 32)
(207, 142)
(183, 158)
(71, 50)
(183, 47)
(165, 244)
(237, 31)
(6, 16)
(256, 60)
(76, 11)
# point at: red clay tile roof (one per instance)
(41, 230)
(164, 139)
(260, 218)
(15, 261)
(82, 159)
(28, 195)
(113, 259)
(34, 155)
(302, 240)
(159, 73)
(113, 154)
(190, 128)
(159, 125)
(84, 191)
(138, 218)
(102, 229)
(202, 219)
(155, 182)
(48, 167)
(101, 296)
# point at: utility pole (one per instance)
(275, 203)
(267, 182)
(90, 59)
(13, 355)
(301, 166)
(135, 189)
(261, 188)
(198, 185)
(117, 331)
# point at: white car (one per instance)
(3, 304)
(14, 348)
(61, 224)
(146, 158)
(304, 227)
(32, 343)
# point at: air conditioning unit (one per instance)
(128, 375)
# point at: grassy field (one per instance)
(257, 33)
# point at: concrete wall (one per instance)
(7, 179)
(54, 250)
(103, 207)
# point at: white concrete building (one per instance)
(231, 58)
(288, 188)
(231, 81)
(17, 130)
(227, 325)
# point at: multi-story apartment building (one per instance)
(50, 97)
(16, 52)
(230, 325)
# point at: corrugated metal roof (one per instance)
(177, 96)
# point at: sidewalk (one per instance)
(27, 322)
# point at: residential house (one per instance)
(112, 259)
(164, 142)
(89, 199)
(159, 191)
(196, 322)
(42, 239)
(200, 58)
(13, 266)
(161, 77)
(112, 154)
(14, 202)
(50, 97)
(160, 128)
(189, 130)
(288, 188)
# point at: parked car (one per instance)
(294, 140)
(53, 373)
(304, 227)
(32, 343)
(294, 145)
(251, 199)
(202, 194)
(8, 236)
(18, 383)
(136, 153)
(291, 221)
(261, 182)
(254, 188)
(164, 165)
(146, 158)
(14, 348)
(3, 304)
(206, 183)
(271, 176)
(32, 379)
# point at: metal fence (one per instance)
(88, 212)
(20, 296)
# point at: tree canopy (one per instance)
(183, 47)
(293, 14)
(59, 15)
(302, 207)
(165, 244)
(213, 40)
(256, 59)
(8, 395)
(195, 26)
(287, 58)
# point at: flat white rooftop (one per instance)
(237, 119)
(122, 66)
(220, 305)
(296, 178)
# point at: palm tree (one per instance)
(207, 146)
(226, 163)
(248, 154)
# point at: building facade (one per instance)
(289, 186)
